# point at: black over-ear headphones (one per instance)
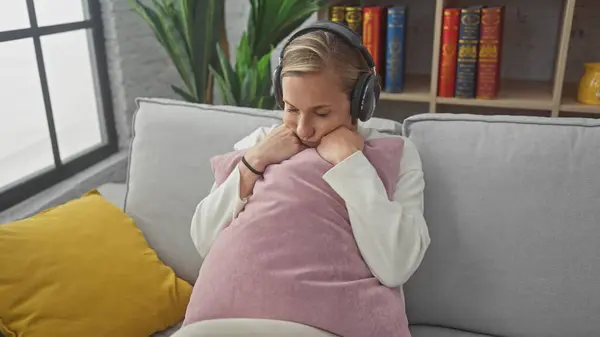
(366, 91)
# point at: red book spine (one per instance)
(448, 56)
(490, 45)
(372, 39)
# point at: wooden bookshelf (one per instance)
(553, 94)
(531, 95)
(417, 89)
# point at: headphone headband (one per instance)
(365, 94)
(338, 29)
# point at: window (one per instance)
(55, 104)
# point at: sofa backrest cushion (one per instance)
(169, 169)
(513, 209)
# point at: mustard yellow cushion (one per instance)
(84, 269)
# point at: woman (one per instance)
(312, 226)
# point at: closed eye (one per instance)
(322, 111)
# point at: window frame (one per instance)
(29, 186)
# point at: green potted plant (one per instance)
(188, 30)
(193, 34)
(248, 82)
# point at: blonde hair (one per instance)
(314, 51)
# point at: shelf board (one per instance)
(569, 101)
(416, 89)
(571, 105)
(514, 94)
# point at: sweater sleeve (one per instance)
(223, 203)
(215, 211)
(392, 235)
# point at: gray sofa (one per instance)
(512, 204)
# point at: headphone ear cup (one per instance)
(373, 90)
(278, 91)
(357, 97)
(365, 96)
(377, 90)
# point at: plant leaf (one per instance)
(184, 10)
(263, 79)
(264, 74)
(254, 23)
(228, 74)
(177, 14)
(266, 102)
(183, 94)
(243, 57)
(249, 87)
(151, 18)
(226, 94)
(205, 14)
(176, 42)
(260, 103)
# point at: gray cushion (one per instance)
(114, 193)
(513, 209)
(432, 331)
(169, 170)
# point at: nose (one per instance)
(304, 129)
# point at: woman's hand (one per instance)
(277, 146)
(339, 144)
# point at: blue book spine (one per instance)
(468, 43)
(395, 54)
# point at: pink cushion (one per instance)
(291, 255)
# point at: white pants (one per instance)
(245, 327)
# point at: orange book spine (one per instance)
(448, 55)
(490, 52)
(372, 39)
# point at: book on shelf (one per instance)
(383, 33)
(395, 54)
(338, 14)
(372, 37)
(354, 18)
(448, 52)
(468, 43)
(490, 52)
